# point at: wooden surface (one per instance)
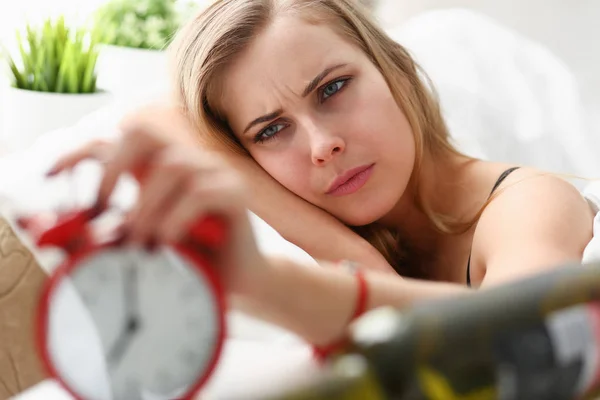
(20, 281)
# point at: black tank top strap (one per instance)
(500, 179)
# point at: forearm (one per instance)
(316, 303)
(315, 231)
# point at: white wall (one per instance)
(569, 28)
(14, 13)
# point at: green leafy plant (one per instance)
(142, 24)
(55, 58)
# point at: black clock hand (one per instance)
(121, 344)
(132, 293)
(132, 318)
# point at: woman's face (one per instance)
(318, 116)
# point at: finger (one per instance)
(96, 149)
(161, 187)
(36, 224)
(205, 195)
(131, 154)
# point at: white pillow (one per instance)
(505, 97)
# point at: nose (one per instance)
(325, 145)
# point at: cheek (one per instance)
(379, 121)
(287, 168)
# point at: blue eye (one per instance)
(268, 133)
(332, 88)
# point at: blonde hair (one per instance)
(211, 40)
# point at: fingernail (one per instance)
(151, 245)
(22, 222)
(52, 171)
(95, 210)
(122, 234)
(120, 240)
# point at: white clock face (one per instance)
(150, 326)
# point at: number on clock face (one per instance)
(155, 316)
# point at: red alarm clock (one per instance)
(158, 316)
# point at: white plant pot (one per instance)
(29, 114)
(130, 73)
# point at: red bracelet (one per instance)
(321, 353)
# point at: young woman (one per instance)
(310, 116)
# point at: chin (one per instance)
(367, 213)
(359, 220)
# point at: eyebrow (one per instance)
(312, 85)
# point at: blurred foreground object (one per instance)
(538, 338)
(156, 317)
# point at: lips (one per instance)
(350, 181)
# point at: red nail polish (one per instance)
(151, 245)
(53, 171)
(121, 236)
(23, 222)
(95, 210)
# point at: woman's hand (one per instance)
(179, 184)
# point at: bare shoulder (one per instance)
(529, 187)
(535, 219)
